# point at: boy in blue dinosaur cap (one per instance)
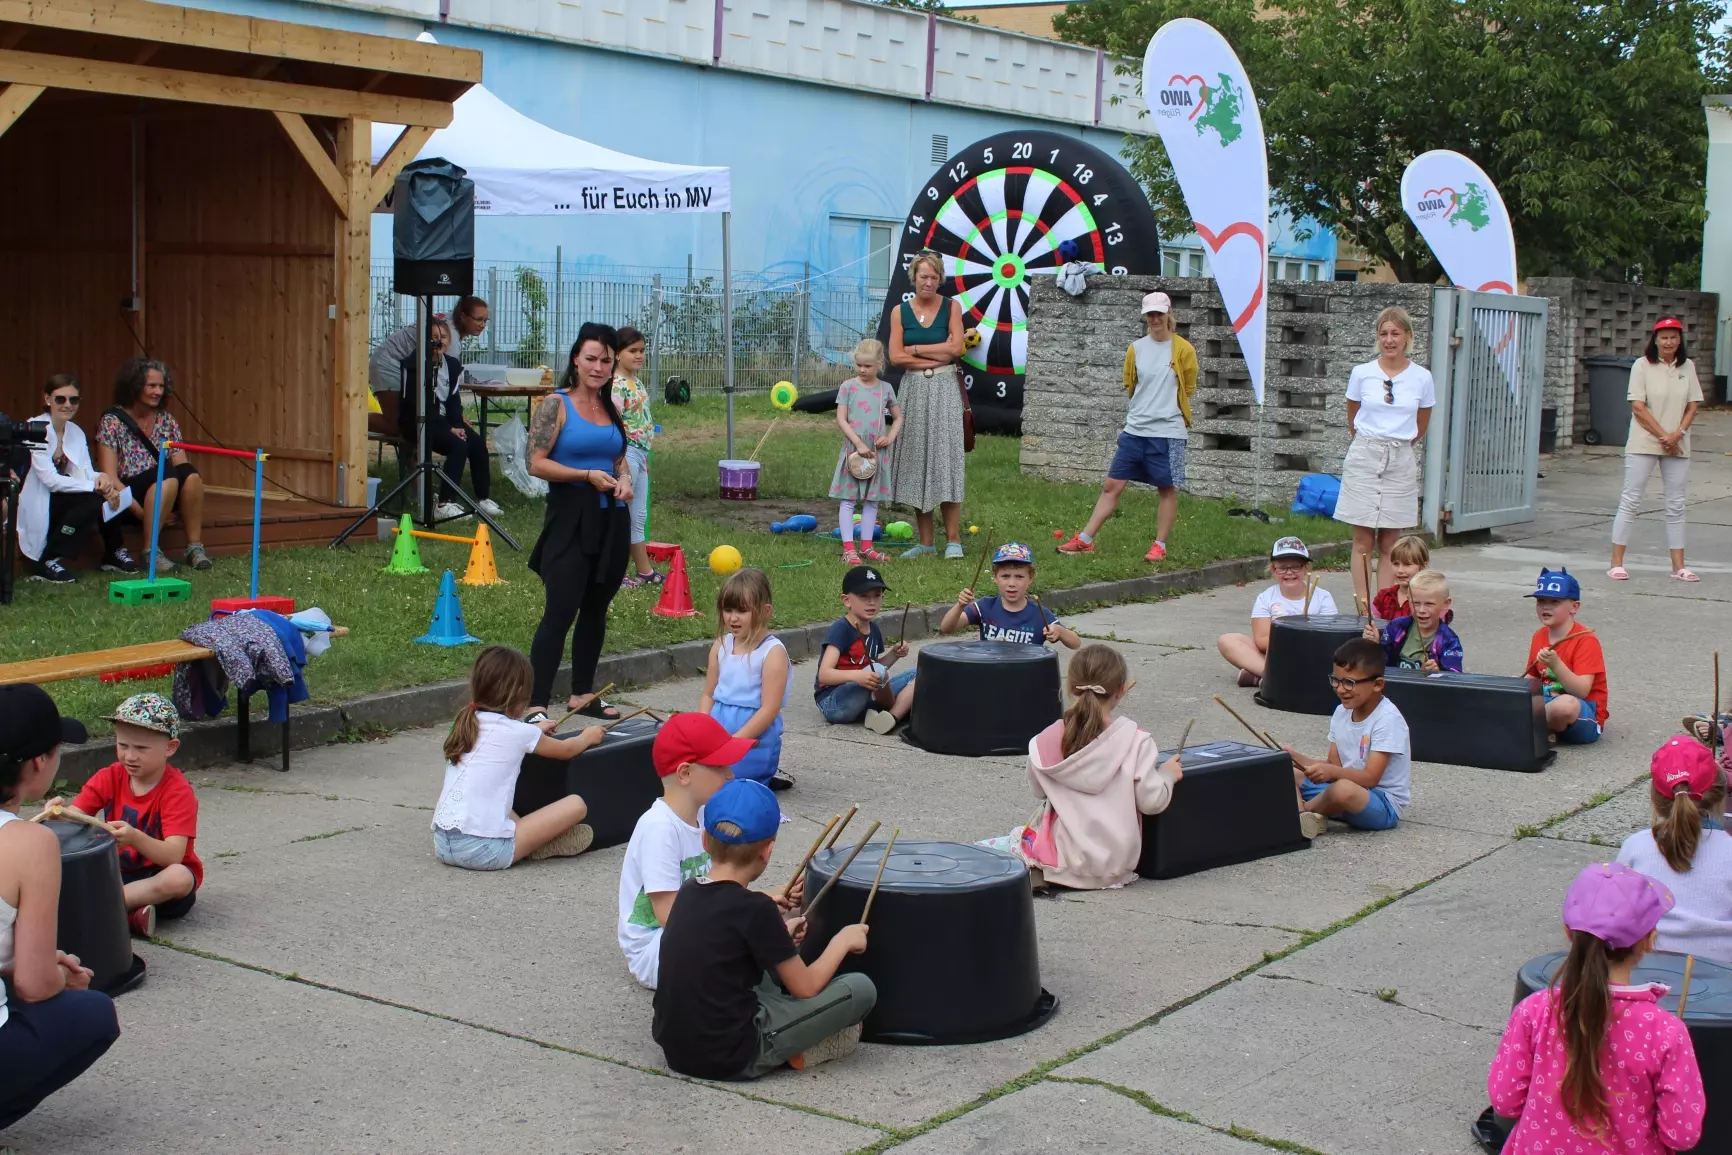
(1014, 615)
(735, 1001)
(1566, 657)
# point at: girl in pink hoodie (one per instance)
(1592, 1064)
(1099, 776)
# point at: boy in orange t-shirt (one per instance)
(1566, 657)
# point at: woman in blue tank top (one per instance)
(577, 443)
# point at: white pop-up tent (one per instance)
(522, 167)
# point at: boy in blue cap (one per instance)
(1566, 657)
(735, 1001)
(1012, 616)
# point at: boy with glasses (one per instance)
(1290, 565)
(1365, 779)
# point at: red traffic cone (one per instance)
(676, 599)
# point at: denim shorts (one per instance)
(1585, 730)
(848, 702)
(1156, 461)
(1379, 814)
(456, 848)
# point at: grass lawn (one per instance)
(386, 612)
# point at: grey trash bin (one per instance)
(1608, 399)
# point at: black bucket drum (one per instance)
(1301, 657)
(93, 907)
(617, 779)
(977, 698)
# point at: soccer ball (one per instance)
(971, 339)
(1068, 250)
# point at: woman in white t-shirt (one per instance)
(474, 826)
(1664, 394)
(1389, 404)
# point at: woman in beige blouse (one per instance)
(1664, 393)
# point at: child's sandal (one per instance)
(849, 557)
(875, 556)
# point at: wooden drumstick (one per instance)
(1310, 589)
(1255, 733)
(1370, 590)
(1714, 718)
(816, 842)
(843, 869)
(876, 878)
(763, 439)
(1186, 733)
(837, 833)
(1684, 990)
(985, 551)
(905, 608)
(625, 718)
(61, 814)
(1270, 738)
(571, 713)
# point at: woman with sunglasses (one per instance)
(448, 435)
(1664, 394)
(1389, 404)
(64, 495)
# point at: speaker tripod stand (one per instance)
(426, 472)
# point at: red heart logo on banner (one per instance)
(1454, 197)
(1202, 91)
(1216, 240)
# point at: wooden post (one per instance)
(351, 290)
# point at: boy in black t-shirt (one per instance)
(854, 679)
(734, 999)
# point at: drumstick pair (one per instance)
(593, 698)
(1261, 737)
(62, 814)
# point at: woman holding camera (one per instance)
(64, 495)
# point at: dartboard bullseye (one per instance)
(1007, 209)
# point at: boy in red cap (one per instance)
(1688, 850)
(693, 754)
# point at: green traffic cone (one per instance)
(406, 553)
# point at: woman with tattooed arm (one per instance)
(577, 444)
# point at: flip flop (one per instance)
(597, 709)
(1685, 575)
(1618, 574)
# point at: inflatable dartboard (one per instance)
(1005, 209)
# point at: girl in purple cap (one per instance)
(1592, 1064)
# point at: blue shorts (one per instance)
(1585, 730)
(1157, 461)
(1379, 814)
(456, 848)
(849, 701)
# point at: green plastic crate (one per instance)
(143, 591)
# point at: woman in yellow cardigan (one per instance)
(1160, 377)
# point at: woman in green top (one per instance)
(927, 464)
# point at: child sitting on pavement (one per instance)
(1566, 657)
(1407, 557)
(693, 754)
(1688, 850)
(1290, 565)
(1365, 778)
(1421, 640)
(735, 999)
(151, 810)
(854, 679)
(1011, 616)
(1098, 775)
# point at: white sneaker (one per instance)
(1311, 823)
(837, 1046)
(880, 721)
(446, 510)
(568, 845)
(490, 507)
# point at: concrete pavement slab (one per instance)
(1349, 1075)
(216, 1059)
(1063, 1118)
(1612, 821)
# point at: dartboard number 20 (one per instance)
(1011, 207)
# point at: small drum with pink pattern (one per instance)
(739, 480)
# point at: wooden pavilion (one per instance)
(198, 187)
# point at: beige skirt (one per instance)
(1379, 485)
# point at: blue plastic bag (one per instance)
(1318, 493)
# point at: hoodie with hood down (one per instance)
(1099, 795)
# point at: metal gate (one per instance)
(1488, 367)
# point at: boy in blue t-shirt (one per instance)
(1012, 616)
(854, 679)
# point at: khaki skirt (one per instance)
(1379, 485)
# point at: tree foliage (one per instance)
(1588, 117)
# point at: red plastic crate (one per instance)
(220, 606)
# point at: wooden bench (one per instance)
(95, 663)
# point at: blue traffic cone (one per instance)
(447, 628)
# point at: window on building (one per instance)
(1170, 266)
(1274, 270)
(1198, 266)
(879, 237)
(860, 251)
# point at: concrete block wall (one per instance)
(1074, 400)
(1591, 318)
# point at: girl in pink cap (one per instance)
(1592, 1064)
(1687, 849)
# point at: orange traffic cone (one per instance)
(482, 571)
(676, 599)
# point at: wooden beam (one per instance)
(225, 248)
(81, 75)
(354, 300)
(410, 141)
(14, 100)
(193, 28)
(314, 154)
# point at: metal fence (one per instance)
(801, 328)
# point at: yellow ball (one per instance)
(971, 338)
(725, 559)
(783, 395)
(974, 529)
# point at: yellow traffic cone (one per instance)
(481, 570)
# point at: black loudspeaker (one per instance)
(1485, 720)
(617, 779)
(433, 230)
(1235, 803)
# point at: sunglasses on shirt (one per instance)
(1388, 391)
